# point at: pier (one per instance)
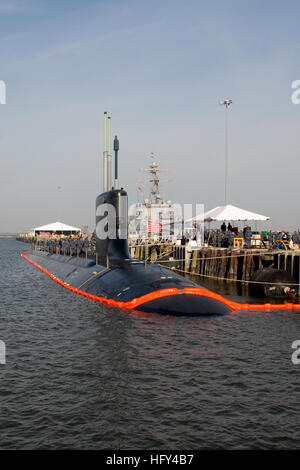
(216, 263)
(223, 264)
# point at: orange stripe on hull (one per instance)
(199, 291)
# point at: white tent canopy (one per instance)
(56, 227)
(228, 213)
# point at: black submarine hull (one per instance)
(130, 285)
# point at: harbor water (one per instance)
(80, 376)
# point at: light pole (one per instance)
(59, 205)
(226, 103)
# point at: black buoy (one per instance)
(281, 283)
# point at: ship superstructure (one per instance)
(153, 218)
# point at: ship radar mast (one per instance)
(154, 179)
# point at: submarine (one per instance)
(115, 279)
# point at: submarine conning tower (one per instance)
(111, 209)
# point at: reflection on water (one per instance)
(238, 291)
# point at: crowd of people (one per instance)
(224, 237)
(84, 245)
(81, 245)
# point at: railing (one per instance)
(78, 248)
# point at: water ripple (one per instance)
(80, 376)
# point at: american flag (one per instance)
(154, 227)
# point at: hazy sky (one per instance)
(159, 68)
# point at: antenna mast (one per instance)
(107, 171)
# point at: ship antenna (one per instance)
(116, 149)
(109, 171)
(105, 180)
